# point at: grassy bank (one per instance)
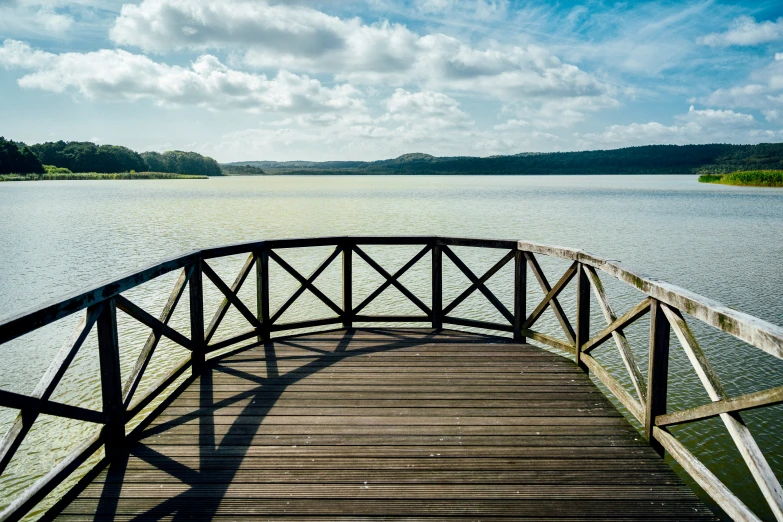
(751, 178)
(81, 176)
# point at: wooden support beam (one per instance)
(657, 372)
(520, 294)
(549, 340)
(615, 387)
(347, 311)
(22, 402)
(582, 315)
(437, 287)
(262, 294)
(196, 300)
(111, 380)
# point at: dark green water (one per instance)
(723, 242)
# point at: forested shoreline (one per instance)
(63, 158)
(649, 159)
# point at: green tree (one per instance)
(17, 158)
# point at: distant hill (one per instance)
(649, 159)
(241, 170)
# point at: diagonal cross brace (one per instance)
(46, 386)
(551, 295)
(299, 277)
(223, 308)
(480, 284)
(392, 280)
(154, 338)
(554, 303)
(310, 280)
(231, 296)
(147, 319)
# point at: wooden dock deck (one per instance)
(389, 423)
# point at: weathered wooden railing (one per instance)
(647, 403)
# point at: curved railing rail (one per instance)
(664, 302)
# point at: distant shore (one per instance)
(751, 178)
(83, 176)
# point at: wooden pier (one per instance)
(283, 421)
(389, 423)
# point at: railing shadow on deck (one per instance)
(646, 401)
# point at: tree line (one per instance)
(85, 156)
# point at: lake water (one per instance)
(723, 242)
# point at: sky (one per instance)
(342, 80)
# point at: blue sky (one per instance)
(318, 80)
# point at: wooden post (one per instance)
(111, 380)
(582, 314)
(347, 286)
(658, 372)
(437, 287)
(262, 293)
(196, 294)
(520, 294)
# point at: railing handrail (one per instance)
(663, 301)
(753, 330)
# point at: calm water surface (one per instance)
(723, 242)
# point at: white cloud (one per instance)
(707, 117)
(697, 126)
(763, 90)
(118, 75)
(33, 19)
(746, 31)
(300, 38)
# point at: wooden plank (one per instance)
(18, 401)
(745, 402)
(362, 433)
